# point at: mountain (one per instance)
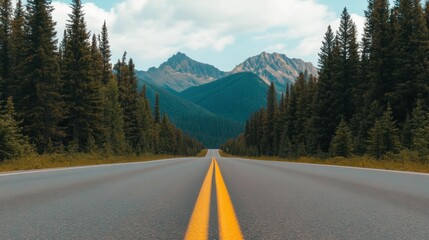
(179, 73)
(275, 67)
(194, 120)
(233, 97)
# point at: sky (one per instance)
(222, 33)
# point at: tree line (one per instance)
(67, 97)
(370, 98)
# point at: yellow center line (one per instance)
(229, 228)
(199, 224)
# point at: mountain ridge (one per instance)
(276, 67)
(233, 97)
(180, 72)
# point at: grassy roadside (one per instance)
(363, 162)
(203, 153)
(75, 160)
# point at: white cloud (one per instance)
(279, 47)
(155, 29)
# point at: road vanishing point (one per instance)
(214, 198)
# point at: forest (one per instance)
(371, 97)
(66, 97)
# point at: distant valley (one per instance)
(213, 105)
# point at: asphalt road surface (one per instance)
(214, 198)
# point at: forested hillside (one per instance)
(371, 97)
(210, 129)
(233, 97)
(64, 97)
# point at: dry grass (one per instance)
(363, 162)
(203, 153)
(72, 160)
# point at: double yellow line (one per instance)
(198, 227)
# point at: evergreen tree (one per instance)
(145, 122)
(418, 130)
(13, 143)
(411, 58)
(380, 70)
(383, 137)
(105, 54)
(38, 99)
(128, 97)
(427, 14)
(157, 109)
(81, 88)
(346, 68)
(17, 49)
(324, 115)
(167, 138)
(342, 144)
(5, 29)
(375, 142)
(113, 121)
(270, 121)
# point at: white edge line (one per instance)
(83, 167)
(337, 166)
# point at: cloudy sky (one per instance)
(219, 32)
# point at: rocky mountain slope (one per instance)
(275, 67)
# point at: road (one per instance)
(214, 198)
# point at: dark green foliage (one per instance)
(342, 144)
(194, 120)
(383, 137)
(392, 67)
(106, 55)
(5, 30)
(113, 122)
(17, 50)
(128, 97)
(346, 68)
(157, 110)
(416, 134)
(39, 102)
(411, 58)
(68, 96)
(232, 97)
(82, 84)
(13, 143)
(324, 115)
(167, 138)
(269, 122)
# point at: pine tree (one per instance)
(380, 70)
(81, 88)
(375, 142)
(167, 138)
(5, 29)
(345, 68)
(270, 121)
(342, 144)
(418, 125)
(411, 58)
(113, 121)
(128, 97)
(427, 14)
(324, 115)
(157, 110)
(384, 136)
(145, 123)
(17, 49)
(13, 143)
(39, 102)
(105, 54)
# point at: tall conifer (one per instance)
(39, 102)
(81, 88)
